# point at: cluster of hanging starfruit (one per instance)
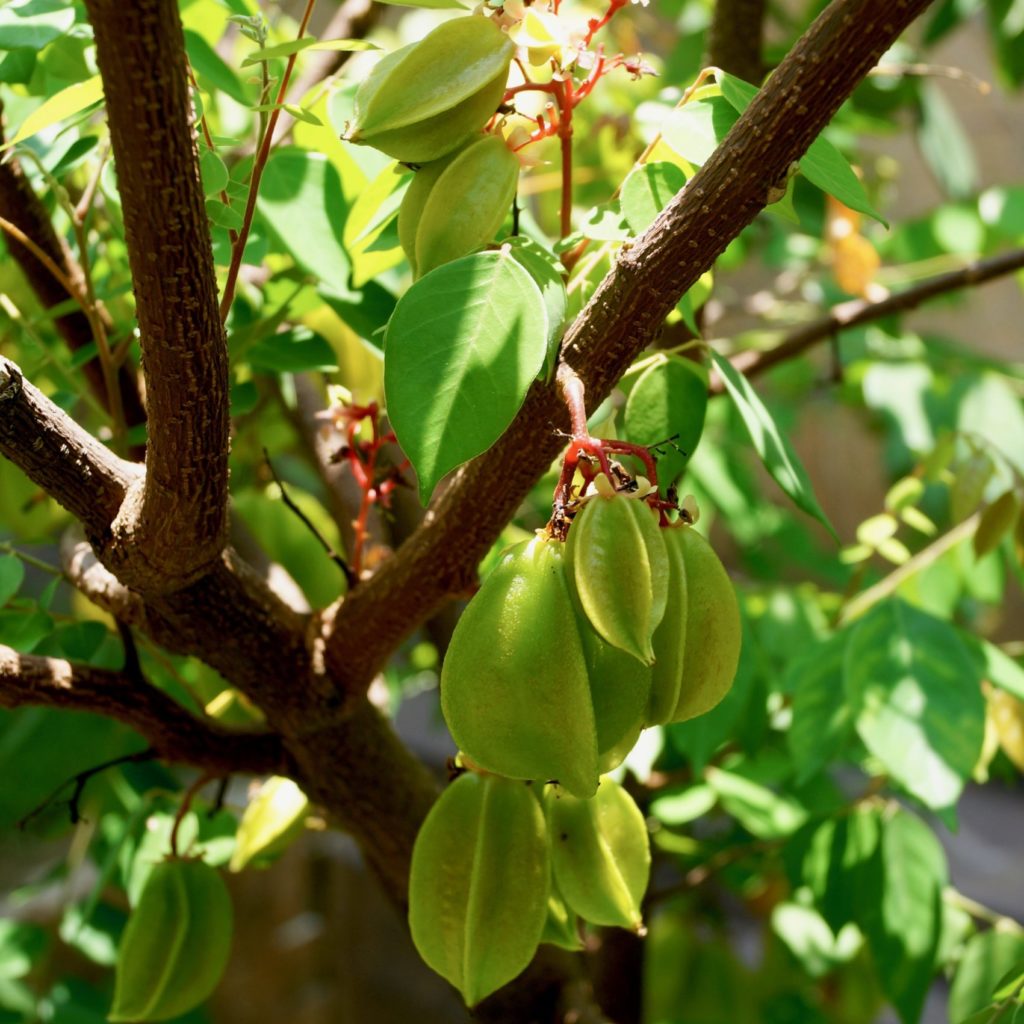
(427, 105)
(567, 652)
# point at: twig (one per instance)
(925, 557)
(860, 311)
(186, 803)
(262, 155)
(333, 555)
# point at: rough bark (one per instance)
(175, 735)
(173, 526)
(623, 317)
(735, 38)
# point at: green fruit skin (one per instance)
(561, 926)
(714, 631)
(425, 99)
(600, 854)
(479, 883)
(468, 203)
(415, 198)
(669, 639)
(176, 943)
(619, 571)
(620, 688)
(514, 687)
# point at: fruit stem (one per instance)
(566, 104)
(186, 803)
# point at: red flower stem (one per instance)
(238, 249)
(565, 138)
(515, 90)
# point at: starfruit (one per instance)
(478, 885)
(458, 207)
(620, 688)
(562, 925)
(600, 854)
(669, 639)
(713, 632)
(619, 571)
(514, 685)
(176, 943)
(272, 819)
(424, 100)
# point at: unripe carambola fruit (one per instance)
(176, 943)
(713, 632)
(620, 688)
(669, 639)
(514, 686)
(478, 885)
(423, 100)
(454, 212)
(619, 571)
(273, 819)
(600, 854)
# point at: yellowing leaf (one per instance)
(58, 107)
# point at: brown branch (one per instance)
(173, 527)
(861, 311)
(174, 734)
(20, 205)
(623, 317)
(735, 38)
(67, 462)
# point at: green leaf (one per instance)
(904, 928)
(461, 349)
(810, 939)
(302, 202)
(646, 191)
(986, 959)
(58, 107)
(211, 70)
(543, 268)
(696, 130)
(998, 668)
(309, 43)
(822, 165)
(12, 575)
(945, 146)
(214, 172)
(668, 400)
(916, 699)
(821, 725)
(996, 521)
(34, 23)
(293, 351)
(769, 442)
(762, 812)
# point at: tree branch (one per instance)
(173, 524)
(67, 462)
(623, 317)
(22, 207)
(861, 311)
(174, 734)
(735, 38)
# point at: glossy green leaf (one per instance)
(668, 400)
(821, 724)
(986, 959)
(543, 268)
(822, 165)
(646, 191)
(916, 700)
(309, 43)
(34, 23)
(462, 348)
(695, 130)
(60, 106)
(302, 202)
(770, 443)
(903, 929)
(292, 351)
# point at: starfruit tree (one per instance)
(439, 289)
